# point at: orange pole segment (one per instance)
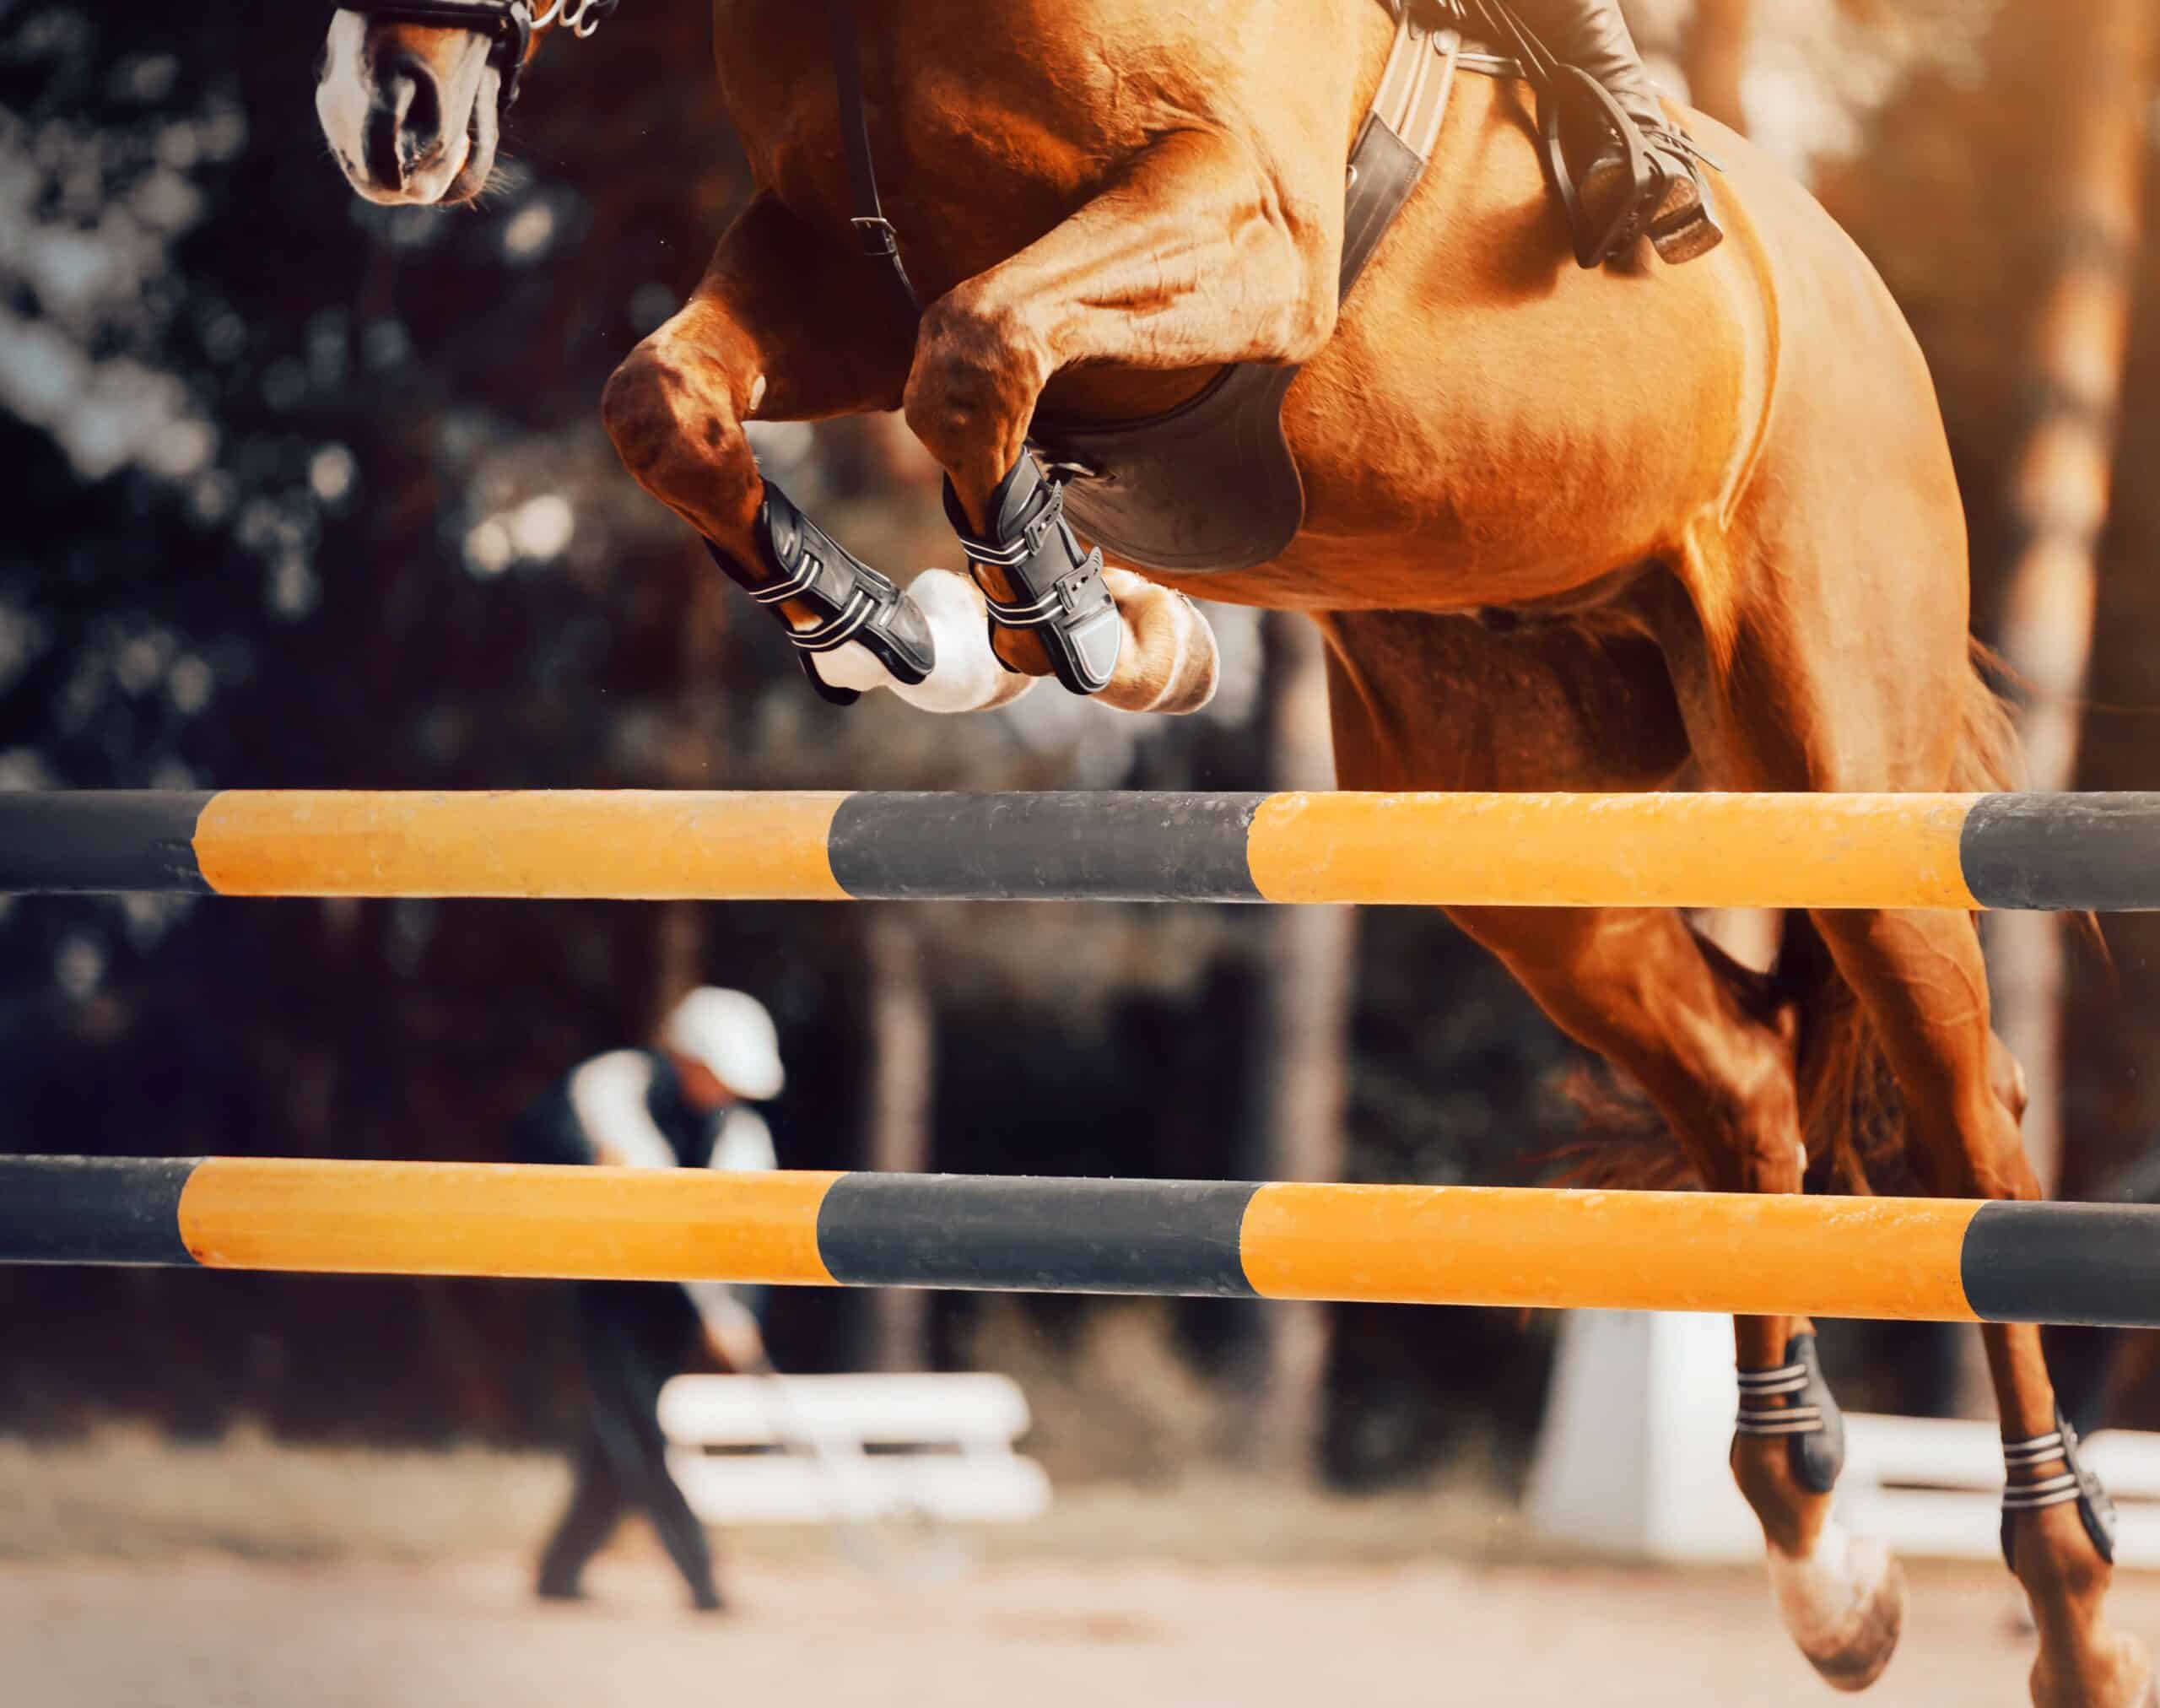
(1646, 851)
(1871, 1258)
(505, 1220)
(629, 845)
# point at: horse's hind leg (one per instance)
(1641, 989)
(1831, 679)
(1924, 981)
(1437, 703)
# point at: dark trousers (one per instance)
(634, 1337)
(1594, 34)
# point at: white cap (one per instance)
(733, 1035)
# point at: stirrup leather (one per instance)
(1060, 596)
(852, 601)
(1812, 1426)
(2074, 1482)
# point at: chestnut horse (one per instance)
(1630, 529)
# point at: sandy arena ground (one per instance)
(138, 1574)
(214, 1633)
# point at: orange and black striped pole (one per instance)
(2097, 852)
(1924, 1259)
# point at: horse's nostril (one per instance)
(404, 123)
(423, 121)
(407, 90)
(385, 156)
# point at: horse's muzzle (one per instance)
(404, 126)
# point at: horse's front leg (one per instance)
(1197, 256)
(787, 326)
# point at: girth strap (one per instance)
(880, 242)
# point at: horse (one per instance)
(1629, 528)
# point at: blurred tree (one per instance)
(1715, 57)
(2092, 199)
(1301, 1096)
(904, 1049)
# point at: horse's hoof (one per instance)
(967, 677)
(1171, 663)
(1845, 1608)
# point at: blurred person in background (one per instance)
(681, 1105)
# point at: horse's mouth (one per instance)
(482, 135)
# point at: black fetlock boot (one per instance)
(1635, 171)
(853, 603)
(1059, 595)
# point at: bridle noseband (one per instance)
(509, 25)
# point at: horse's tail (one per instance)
(1851, 1115)
(1990, 758)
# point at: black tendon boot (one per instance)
(1058, 592)
(1636, 173)
(804, 565)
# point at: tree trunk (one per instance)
(2095, 182)
(903, 1078)
(1304, 1043)
(1714, 56)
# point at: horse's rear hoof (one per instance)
(1878, 1622)
(1845, 1609)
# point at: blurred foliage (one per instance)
(307, 493)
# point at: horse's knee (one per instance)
(673, 422)
(979, 369)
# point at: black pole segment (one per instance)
(2064, 853)
(1082, 847)
(2093, 1264)
(99, 841)
(1018, 1234)
(79, 1210)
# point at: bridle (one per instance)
(509, 25)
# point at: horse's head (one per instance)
(412, 93)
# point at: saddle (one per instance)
(1210, 487)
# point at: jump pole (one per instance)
(2100, 852)
(1917, 1259)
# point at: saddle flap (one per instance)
(1211, 487)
